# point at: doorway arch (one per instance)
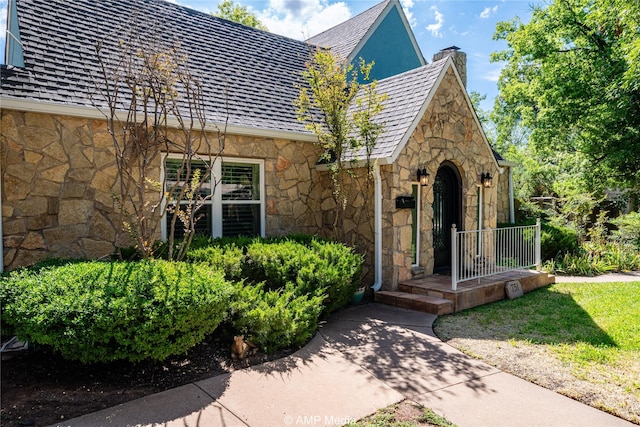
(447, 210)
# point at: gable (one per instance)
(343, 38)
(410, 95)
(381, 34)
(391, 47)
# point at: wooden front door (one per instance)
(446, 212)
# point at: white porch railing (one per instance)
(481, 253)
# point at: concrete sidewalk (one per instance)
(631, 276)
(364, 358)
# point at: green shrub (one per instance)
(275, 319)
(321, 268)
(628, 228)
(229, 259)
(594, 259)
(283, 284)
(556, 241)
(99, 312)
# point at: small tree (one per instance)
(154, 105)
(340, 111)
(227, 9)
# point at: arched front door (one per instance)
(446, 212)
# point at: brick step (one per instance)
(416, 302)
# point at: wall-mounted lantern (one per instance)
(486, 179)
(423, 176)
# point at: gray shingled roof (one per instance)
(343, 38)
(407, 94)
(259, 68)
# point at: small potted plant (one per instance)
(358, 295)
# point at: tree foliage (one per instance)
(572, 85)
(153, 104)
(341, 112)
(227, 9)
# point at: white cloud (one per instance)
(3, 28)
(488, 11)
(492, 75)
(301, 19)
(437, 26)
(406, 7)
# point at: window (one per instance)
(241, 204)
(233, 207)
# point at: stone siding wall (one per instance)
(503, 197)
(446, 132)
(59, 177)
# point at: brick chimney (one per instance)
(459, 60)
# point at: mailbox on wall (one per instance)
(405, 202)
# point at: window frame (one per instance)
(216, 201)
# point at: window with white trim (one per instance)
(233, 207)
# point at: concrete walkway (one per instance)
(363, 359)
(632, 276)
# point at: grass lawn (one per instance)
(404, 414)
(589, 332)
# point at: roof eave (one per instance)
(8, 103)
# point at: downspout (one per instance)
(1, 220)
(377, 213)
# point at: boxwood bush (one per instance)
(100, 312)
(275, 319)
(285, 284)
(314, 266)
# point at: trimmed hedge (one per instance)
(314, 266)
(272, 290)
(284, 285)
(275, 319)
(100, 312)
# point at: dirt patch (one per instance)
(40, 388)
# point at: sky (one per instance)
(436, 24)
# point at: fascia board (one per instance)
(7, 103)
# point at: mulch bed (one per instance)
(40, 388)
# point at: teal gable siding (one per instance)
(390, 48)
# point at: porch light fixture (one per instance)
(486, 179)
(423, 176)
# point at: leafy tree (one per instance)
(572, 84)
(153, 104)
(341, 112)
(227, 9)
(484, 116)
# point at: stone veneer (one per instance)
(503, 215)
(59, 175)
(448, 131)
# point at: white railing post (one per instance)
(538, 244)
(454, 258)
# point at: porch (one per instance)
(434, 294)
